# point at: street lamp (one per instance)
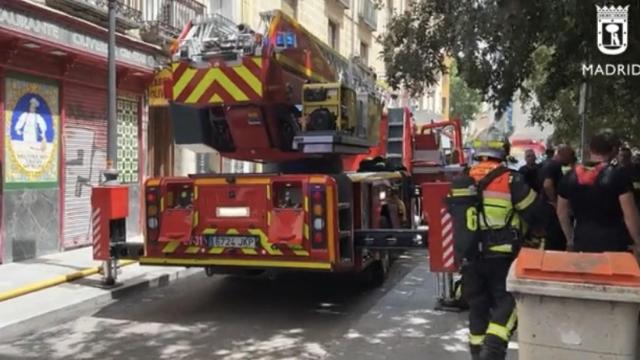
(110, 174)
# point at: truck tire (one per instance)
(375, 274)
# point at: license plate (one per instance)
(222, 241)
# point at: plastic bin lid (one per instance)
(615, 269)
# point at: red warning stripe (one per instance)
(195, 81)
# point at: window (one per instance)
(334, 35)
(127, 161)
(364, 52)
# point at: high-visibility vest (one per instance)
(499, 208)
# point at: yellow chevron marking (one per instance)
(306, 204)
(171, 247)
(195, 193)
(237, 262)
(306, 231)
(215, 250)
(192, 250)
(196, 219)
(161, 203)
(228, 85)
(268, 192)
(269, 218)
(183, 82)
(258, 61)
(251, 79)
(216, 99)
(299, 250)
(202, 86)
(264, 242)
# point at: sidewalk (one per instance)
(404, 325)
(72, 299)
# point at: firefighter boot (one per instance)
(475, 351)
(493, 349)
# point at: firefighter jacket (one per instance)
(508, 207)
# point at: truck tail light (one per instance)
(153, 215)
(318, 217)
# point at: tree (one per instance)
(464, 102)
(502, 46)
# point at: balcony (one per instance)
(129, 12)
(368, 14)
(165, 19)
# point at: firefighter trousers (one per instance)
(492, 313)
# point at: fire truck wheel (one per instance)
(375, 274)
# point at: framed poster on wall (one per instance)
(31, 132)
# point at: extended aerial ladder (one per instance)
(329, 200)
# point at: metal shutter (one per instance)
(85, 143)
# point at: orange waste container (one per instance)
(576, 306)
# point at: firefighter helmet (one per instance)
(492, 143)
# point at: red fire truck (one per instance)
(337, 192)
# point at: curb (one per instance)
(73, 310)
(44, 284)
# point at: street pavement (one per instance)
(310, 316)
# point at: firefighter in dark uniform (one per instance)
(505, 206)
(599, 193)
(632, 169)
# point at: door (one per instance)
(85, 144)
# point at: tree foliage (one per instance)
(465, 102)
(502, 46)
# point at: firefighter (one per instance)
(394, 198)
(600, 195)
(489, 235)
(625, 159)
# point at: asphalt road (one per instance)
(312, 316)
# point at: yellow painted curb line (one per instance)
(40, 285)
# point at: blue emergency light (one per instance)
(285, 39)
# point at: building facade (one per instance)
(53, 97)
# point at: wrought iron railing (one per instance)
(128, 15)
(171, 15)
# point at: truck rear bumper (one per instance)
(256, 264)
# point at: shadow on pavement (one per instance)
(297, 316)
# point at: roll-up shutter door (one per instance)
(85, 144)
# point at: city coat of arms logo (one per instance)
(613, 29)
